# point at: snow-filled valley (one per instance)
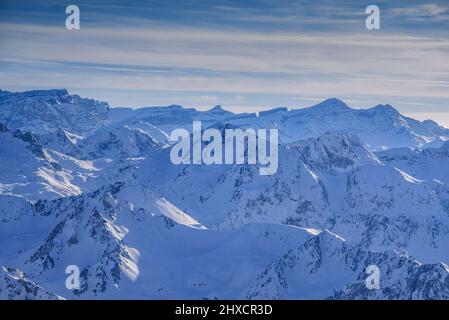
(88, 185)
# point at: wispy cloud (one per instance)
(422, 10)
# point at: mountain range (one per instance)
(85, 184)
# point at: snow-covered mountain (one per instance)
(333, 182)
(41, 111)
(327, 259)
(381, 127)
(92, 186)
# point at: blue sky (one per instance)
(244, 55)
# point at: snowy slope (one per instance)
(122, 142)
(428, 164)
(28, 171)
(15, 285)
(145, 250)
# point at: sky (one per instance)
(244, 55)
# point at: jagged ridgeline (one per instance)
(85, 184)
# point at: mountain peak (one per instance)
(332, 103)
(386, 108)
(217, 108)
(174, 107)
